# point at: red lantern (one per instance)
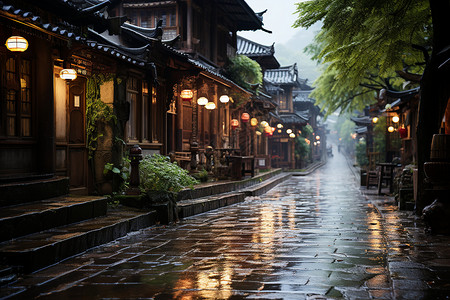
(245, 117)
(403, 132)
(234, 123)
(186, 95)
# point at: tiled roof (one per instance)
(293, 118)
(28, 16)
(283, 76)
(361, 121)
(250, 48)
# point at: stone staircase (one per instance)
(37, 233)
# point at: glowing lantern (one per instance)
(395, 119)
(264, 124)
(403, 132)
(186, 95)
(279, 126)
(224, 99)
(292, 135)
(289, 131)
(374, 120)
(234, 123)
(68, 74)
(317, 137)
(245, 117)
(16, 44)
(210, 105)
(258, 132)
(391, 129)
(254, 121)
(268, 130)
(202, 101)
(273, 129)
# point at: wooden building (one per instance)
(43, 121)
(281, 84)
(206, 36)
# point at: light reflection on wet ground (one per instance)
(312, 235)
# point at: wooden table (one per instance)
(238, 166)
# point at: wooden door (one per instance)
(77, 152)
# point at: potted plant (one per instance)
(160, 181)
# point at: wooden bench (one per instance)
(242, 165)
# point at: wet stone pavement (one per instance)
(311, 237)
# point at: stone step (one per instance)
(33, 189)
(215, 188)
(39, 250)
(264, 186)
(28, 218)
(190, 207)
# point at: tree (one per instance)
(385, 41)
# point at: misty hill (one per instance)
(292, 52)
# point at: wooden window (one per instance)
(132, 98)
(18, 98)
(144, 124)
(154, 117)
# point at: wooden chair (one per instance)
(372, 171)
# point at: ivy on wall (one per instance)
(96, 110)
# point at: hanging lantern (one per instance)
(403, 132)
(279, 126)
(254, 122)
(224, 99)
(68, 74)
(374, 120)
(16, 44)
(317, 137)
(234, 123)
(258, 132)
(268, 129)
(289, 131)
(292, 135)
(264, 124)
(391, 128)
(273, 129)
(186, 95)
(202, 101)
(395, 119)
(210, 105)
(245, 117)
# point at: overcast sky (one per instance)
(278, 18)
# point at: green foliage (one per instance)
(201, 176)
(244, 71)
(302, 148)
(157, 173)
(120, 175)
(96, 111)
(361, 155)
(379, 136)
(361, 46)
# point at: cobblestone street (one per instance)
(311, 237)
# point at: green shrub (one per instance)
(157, 173)
(202, 176)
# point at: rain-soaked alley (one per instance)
(311, 235)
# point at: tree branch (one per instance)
(424, 50)
(409, 76)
